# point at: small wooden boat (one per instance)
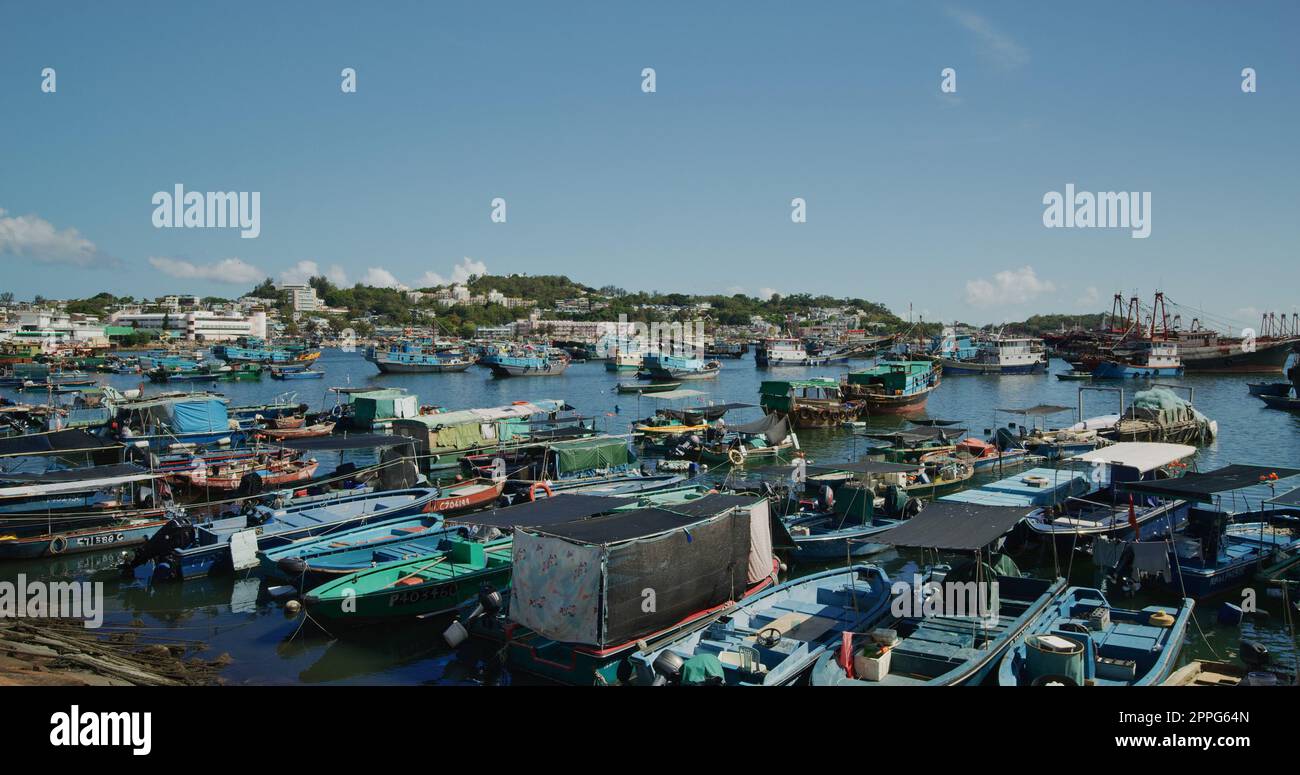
(1073, 375)
(1269, 388)
(647, 387)
(279, 373)
(979, 454)
(1081, 639)
(269, 472)
(301, 432)
(772, 638)
(1207, 672)
(283, 423)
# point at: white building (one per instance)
(199, 326)
(302, 296)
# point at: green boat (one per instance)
(433, 584)
(648, 387)
(244, 371)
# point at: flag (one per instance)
(1132, 518)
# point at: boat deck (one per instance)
(1035, 487)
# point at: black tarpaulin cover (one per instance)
(346, 442)
(1204, 486)
(954, 526)
(923, 433)
(546, 511)
(55, 442)
(1038, 411)
(774, 428)
(1291, 498)
(616, 578)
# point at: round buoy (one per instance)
(292, 607)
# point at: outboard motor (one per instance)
(668, 668)
(1254, 653)
(161, 547)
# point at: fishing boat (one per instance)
(253, 474)
(1050, 443)
(659, 366)
(77, 510)
(1106, 510)
(763, 440)
(1209, 672)
(1224, 542)
(1000, 355)
(910, 444)
(417, 357)
(1269, 388)
(1074, 375)
(1160, 415)
(978, 454)
(950, 624)
(1082, 640)
(311, 562)
(443, 437)
(301, 432)
(773, 637)
(526, 361)
(834, 511)
(647, 387)
(624, 362)
(185, 550)
(892, 387)
(576, 611)
(1033, 488)
(438, 573)
(1154, 359)
(810, 403)
(176, 422)
(785, 351)
(542, 470)
(251, 350)
(279, 373)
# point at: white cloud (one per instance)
(1089, 298)
(459, 274)
(1011, 286)
(995, 44)
(766, 293)
(234, 271)
(33, 237)
(303, 271)
(379, 277)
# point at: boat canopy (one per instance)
(1038, 411)
(74, 480)
(1145, 456)
(922, 433)
(775, 428)
(953, 526)
(520, 410)
(590, 454)
(1291, 498)
(54, 442)
(864, 467)
(565, 507)
(674, 395)
(1204, 486)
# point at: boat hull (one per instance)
(953, 367)
(422, 368)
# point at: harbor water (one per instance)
(267, 646)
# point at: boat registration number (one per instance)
(421, 594)
(101, 540)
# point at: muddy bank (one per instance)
(63, 653)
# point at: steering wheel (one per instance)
(768, 638)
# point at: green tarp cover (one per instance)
(702, 669)
(590, 454)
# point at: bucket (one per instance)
(1053, 655)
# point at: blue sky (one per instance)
(913, 196)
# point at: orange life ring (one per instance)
(532, 491)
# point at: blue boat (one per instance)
(1220, 547)
(182, 550)
(843, 517)
(1106, 510)
(1155, 359)
(1082, 640)
(526, 361)
(773, 637)
(951, 648)
(172, 422)
(279, 373)
(417, 358)
(315, 561)
(666, 367)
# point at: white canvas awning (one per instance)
(1142, 455)
(673, 395)
(83, 485)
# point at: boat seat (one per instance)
(938, 635)
(927, 658)
(800, 626)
